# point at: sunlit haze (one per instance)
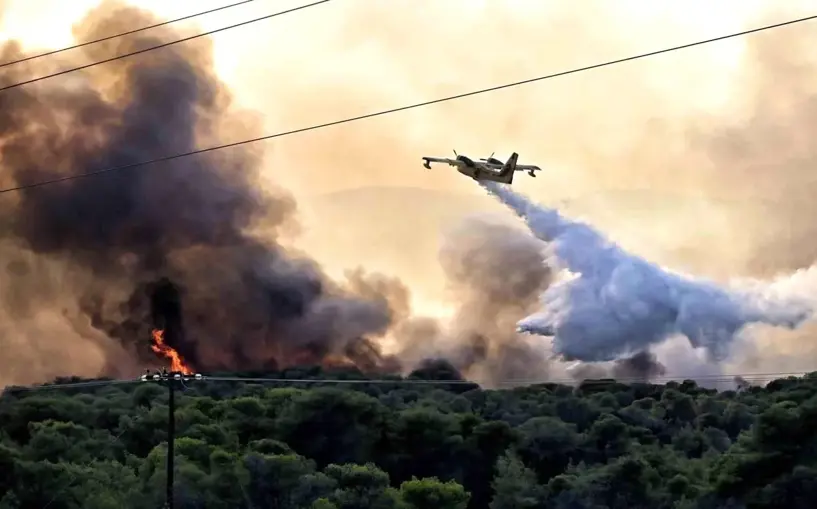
(630, 148)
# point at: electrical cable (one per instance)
(660, 379)
(395, 110)
(521, 381)
(122, 34)
(158, 46)
(68, 385)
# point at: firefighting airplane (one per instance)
(487, 169)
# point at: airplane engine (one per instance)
(532, 174)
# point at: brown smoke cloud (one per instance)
(91, 265)
(640, 367)
(495, 273)
(687, 160)
(192, 247)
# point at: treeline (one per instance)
(404, 446)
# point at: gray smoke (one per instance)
(91, 265)
(494, 274)
(614, 303)
(642, 366)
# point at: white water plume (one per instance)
(617, 303)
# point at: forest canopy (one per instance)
(405, 445)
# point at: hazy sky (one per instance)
(654, 151)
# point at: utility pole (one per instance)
(171, 378)
(171, 435)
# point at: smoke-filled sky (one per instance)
(699, 159)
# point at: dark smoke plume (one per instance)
(741, 383)
(169, 245)
(495, 273)
(90, 266)
(640, 367)
(172, 246)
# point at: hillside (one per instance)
(409, 445)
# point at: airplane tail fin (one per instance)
(510, 165)
(508, 170)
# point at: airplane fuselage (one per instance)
(482, 170)
(475, 173)
(486, 169)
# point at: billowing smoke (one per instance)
(614, 303)
(193, 247)
(494, 273)
(90, 266)
(641, 366)
(168, 246)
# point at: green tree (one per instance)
(391, 446)
(284, 481)
(332, 425)
(547, 445)
(515, 486)
(430, 492)
(362, 487)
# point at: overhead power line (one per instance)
(159, 46)
(396, 110)
(122, 34)
(69, 385)
(661, 379)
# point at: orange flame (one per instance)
(159, 346)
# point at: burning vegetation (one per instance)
(159, 346)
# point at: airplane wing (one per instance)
(428, 160)
(530, 168)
